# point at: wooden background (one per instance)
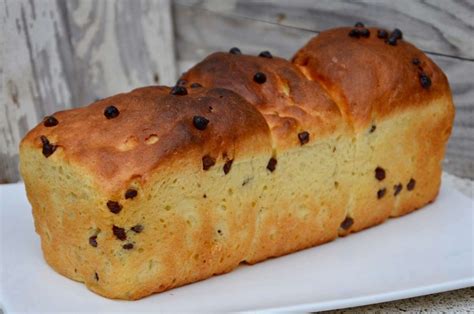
(61, 54)
(58, 54)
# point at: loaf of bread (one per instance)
(246, 158)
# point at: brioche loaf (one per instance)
(246, 158)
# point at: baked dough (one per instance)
(247, 158)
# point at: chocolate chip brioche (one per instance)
(394, 100)
(246, 158)
(399, 106)
(305, 198)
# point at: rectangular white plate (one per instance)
(428, 251)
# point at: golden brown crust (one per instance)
(290, 103)
(398, 123)
(197, 223)
(153, 129)
(367, 77)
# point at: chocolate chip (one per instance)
(272, 164)
(44, 139)
(392, 41)
(381, 193)
(50, 121)
(137, 228)
(181, 82)
(97, 276)
(48, 148)
(200, 123)
(354, 33)
(411, 184)
(111, 112)
(179, 91)
(397, 34)
(235, 51)
(119, 233)
(114, 207)
(208, 162)
(372, 129)
(227, 166)
(204, 196)
(379, 173)
(303, 137)
(415, 61)
(425, 81)
(195, 85)
(265, 54)
(397, 188)
(128, 246)
(93, 241)
(347, 223)
(364, 32)
(260, 78)
(381, 33)
(359, 24)
(130, 193)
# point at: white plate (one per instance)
(428, 251)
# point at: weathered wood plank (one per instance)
(199, 33)
(460, 153)
(442, 26)
(116, 45)
(31, 76)
(62, 54)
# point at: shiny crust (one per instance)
(397, 123)
(367, 77)
(153, 129)
(361, 102)
(289, 101)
